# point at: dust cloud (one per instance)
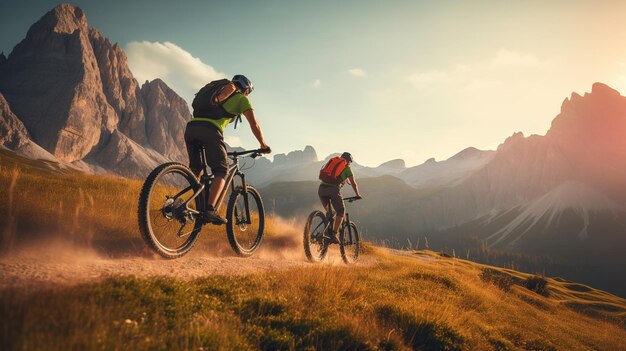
(55, 261)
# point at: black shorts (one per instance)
(205, 133)
(331, 195)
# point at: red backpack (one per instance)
(332, 169)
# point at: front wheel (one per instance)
(167, 210)
(246, 220)
(315, 246)
(349, 243)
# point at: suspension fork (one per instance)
(347, 223)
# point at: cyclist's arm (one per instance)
(255, 127)
(355, 187)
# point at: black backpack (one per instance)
(209, 100)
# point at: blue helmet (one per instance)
(347, 156)
(243, 83)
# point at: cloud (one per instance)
(182, 71)
(426, 79)
(506, 57)
(357, 72)
(317, 83)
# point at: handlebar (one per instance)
(352, 199)
(253, 153)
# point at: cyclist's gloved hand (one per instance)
(265, 149)
(358, 197)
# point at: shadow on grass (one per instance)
(275, 326)
(419, 333)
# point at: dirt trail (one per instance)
(65, 264)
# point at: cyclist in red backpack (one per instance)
(334, 174)
(214, 107)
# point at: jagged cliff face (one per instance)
(15, 136)
(122, 91)
(77, 98)
(13, 133)
(52, 83)
(166, 117)
(590, 131)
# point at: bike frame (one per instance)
(233, 170)
(346, 218)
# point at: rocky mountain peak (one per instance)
(310, 153)
(397, 163)
(64, 18)
(467, 153)
(77, 98)
(166, 115)
(599, 114)
(299, 156)
(590, 132)
(52, 83)
(603, 89)
(514, 139)
(156, 84)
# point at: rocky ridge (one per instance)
(74, 93)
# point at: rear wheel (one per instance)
(168, 226)
(246, 220)
(349, 243)
(315, 246)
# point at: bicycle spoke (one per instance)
(350, 246)
(246, 224)
(315, 245)
(170, 222)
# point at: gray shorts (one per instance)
(205, 133)
(331, 195)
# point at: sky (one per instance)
(383, 80)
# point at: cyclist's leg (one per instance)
(215, 151)
(191, 142)
(194, 150)
(324, 199)
(337, 201)
(331, 197)
(216, 158)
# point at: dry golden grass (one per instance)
(95, 211)
(405, 300)
(421, 302)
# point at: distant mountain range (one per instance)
(560, 195)
(68, 95)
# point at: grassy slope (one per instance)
(96, 211)
(404, 301)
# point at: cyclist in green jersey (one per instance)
(330, 193)
(209, 131)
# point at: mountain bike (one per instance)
(317, 236)
(172, 201)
